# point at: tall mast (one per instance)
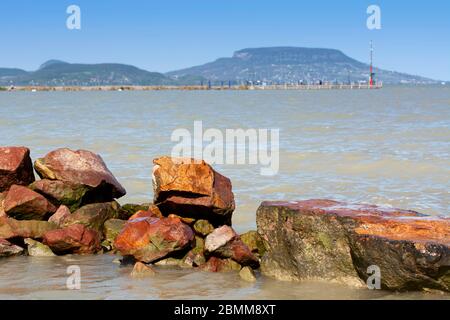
(371, 65)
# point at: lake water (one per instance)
(388, 147)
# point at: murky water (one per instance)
(389, 146)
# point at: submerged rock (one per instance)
(7, 249)
(169, 262)
(93, 215)
(24, 204)
(191, 188)
(76, 238)
(12, 228)
(142, 270)
(80, 167)
(151, 239)
(329, 240)
(37, 249)
(15, 167)
(215, 264)
(247, 274)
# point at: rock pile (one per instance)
(67, 209)
(335, 241)
(72, 209)
(189, 224)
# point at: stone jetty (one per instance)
(73, 209)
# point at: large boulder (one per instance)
(151, 239)
(76, 239)
(191, 188)
(335, 241)
(7, 249)
(15, 167)
(25, 204)
(93, 215)
(60, 192)
(80, 167)
(11, 228)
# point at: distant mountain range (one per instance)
(265, 65)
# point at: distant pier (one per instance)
(326, 86)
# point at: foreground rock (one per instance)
(2, 197)
(192, 189)
(73, 239)
(334, 241)
(12, 228)
(215, 264)
(62, 192)
(37, 249)
(24, 204)
(142, 270)
(150, 239)
(7, 249)
(247, 274)
(111, 230)
(81, 168)
(58, 217)
(15, 167)
(93, 215)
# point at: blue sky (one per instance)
(172, 34)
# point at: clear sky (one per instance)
(172, 34)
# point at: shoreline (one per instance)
(196, 87)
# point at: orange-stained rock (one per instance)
(335, 241)
(152, 212)
(76, 238)
(148, 239)
(15, 167)
(80, 167)
(24, 204)
(192, 188)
